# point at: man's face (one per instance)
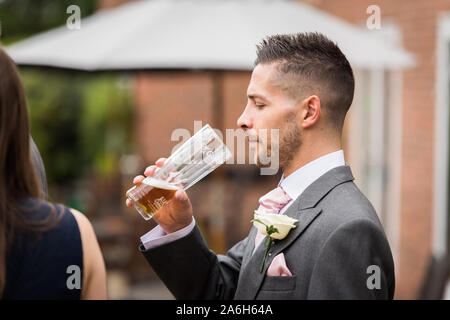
(269, 107)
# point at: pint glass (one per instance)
(196, 158)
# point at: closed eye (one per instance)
(260, 106)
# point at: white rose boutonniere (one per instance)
(275, 226)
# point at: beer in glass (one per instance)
(196, 158)
(151, 195)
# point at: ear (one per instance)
(311, 110)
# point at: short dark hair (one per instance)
(315, 64)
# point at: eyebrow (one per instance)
(255, 96)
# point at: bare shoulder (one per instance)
(94, 282)
(87, 233)
(86, 230)
(83, 222)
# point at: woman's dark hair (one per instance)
(18, 178)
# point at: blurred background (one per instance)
(105, 95)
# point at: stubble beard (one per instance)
(290, 141)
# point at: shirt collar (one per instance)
(299, 180)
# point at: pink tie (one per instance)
(273, 202)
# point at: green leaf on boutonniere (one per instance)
(269, 229)
(275, 226)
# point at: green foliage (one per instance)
(21, 18)
(105, 124)
(80, 122)
(55, 109)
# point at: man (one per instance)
(302, 85)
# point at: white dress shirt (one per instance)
(299, 180)
(293, 185)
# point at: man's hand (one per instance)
(177, 213)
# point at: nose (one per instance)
(245, 121)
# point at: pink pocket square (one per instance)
(278, 266)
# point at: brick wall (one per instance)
(417, 22)
(165, 101)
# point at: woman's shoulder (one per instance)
(37, 210)
(94, 266)
(43, 252)
(50, 219)
(82, 221)
(60, 220)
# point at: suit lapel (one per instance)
(305, 211)
(250, 278)
(250, 247)
(305, 217)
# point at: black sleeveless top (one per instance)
(45, 265)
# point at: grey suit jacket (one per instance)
(337, 251)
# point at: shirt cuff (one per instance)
(157, 236)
